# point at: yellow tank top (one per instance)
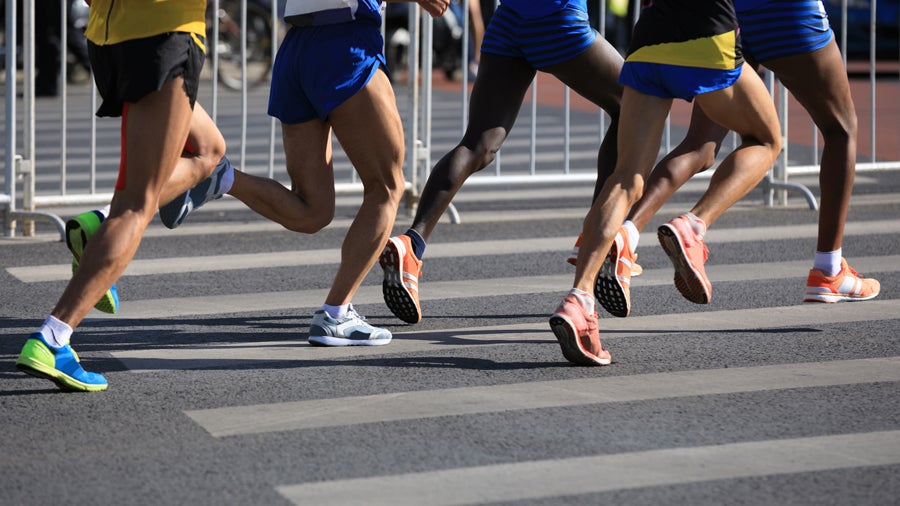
(115, 21)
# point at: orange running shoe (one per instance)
(613, 285)
(688, 254)
(401, 279)
(578, 334)
(636, 269)
(573, 256)
(845, 286)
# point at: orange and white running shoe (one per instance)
(613, 285)
(401, 279)
(573, 255)
(845, 286)
(688, 254)
(636, 269)
(578, 334)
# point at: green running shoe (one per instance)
(59, 365)
(78, 230)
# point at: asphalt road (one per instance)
(216, 398)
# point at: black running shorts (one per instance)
(131, 70)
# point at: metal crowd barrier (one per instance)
(22, 202)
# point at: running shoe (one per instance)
(59, 365)
(688, 253)
(613, 286)
(401, 279)
(573, 255)
(351, 330)
(174, 213)
(636, 269)
(78, 230)
(578, 334)
(845, 286)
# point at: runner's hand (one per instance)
(434, 7)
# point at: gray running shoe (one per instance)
(351, 330)
(175, 212)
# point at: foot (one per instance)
(78, 230)
(351, 330)
(636, 269)
(59, 365)
(688, 254)
(401, 279)
(613, 286)
(845, 286)
(578, 334)
(175, 212)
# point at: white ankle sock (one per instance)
(586, 300)
(828, 262)
(633, 235)
(697, 224)
(56, 332)
(104, 211)
(336, 312)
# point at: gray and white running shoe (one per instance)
(351, 330)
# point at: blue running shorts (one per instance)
(317, 68)
(776, 28)
(543, 41)
(675, 81)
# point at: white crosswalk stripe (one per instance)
(536, 477)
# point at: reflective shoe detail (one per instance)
(401, 279)
(573, 256)
(59, 365)
(174, 213)
(845, 286)
(688, 254)
(351, 330)
(613, 285)
(78, 230)
(578, 334)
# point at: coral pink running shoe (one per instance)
(401, 279)
(688, 254)
(613, 285)
(845, 286)
(578, 334)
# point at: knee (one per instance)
(841, 130)
(477, 154)
(386, 192)
(315, 220)
(629, 187)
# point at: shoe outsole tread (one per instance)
(688, 281)
(76, 240)
(567, 336)
(396, 296)
(35, 368)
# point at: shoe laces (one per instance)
(351, 313)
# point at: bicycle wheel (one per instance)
(259, 44)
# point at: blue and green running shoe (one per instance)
(59, 365)
(78, 230)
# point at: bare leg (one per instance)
(696, 153)
(309, 205)
(747, 109)
(496, 99)
(640, 131)
(819, 82)
(594, 75)
(156, 127)
(379, 163)
(208, 147)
